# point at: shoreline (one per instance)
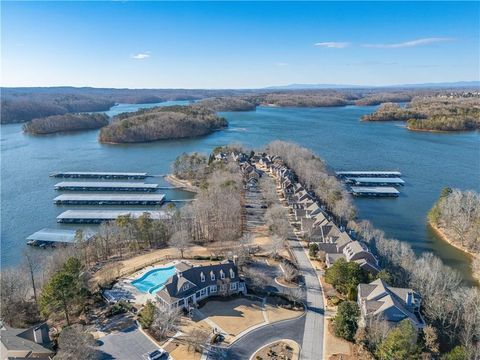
(184, 184)
(441, 234)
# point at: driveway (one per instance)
(127, 344)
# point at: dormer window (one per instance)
(202, 277)
(185, 287)
(222, 274)
(232, 273)
(212, 275)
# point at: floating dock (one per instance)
(99, 216)
(98, 175)
(374, 191)
(110, 199)
(52, 237)
(375, 181)
(105, 186)
(369, 174)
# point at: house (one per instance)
(357, 251)
(193, 283)
(379, 300)
(251, 184)
(33, 342)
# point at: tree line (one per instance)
(161, 123)
(66, 122)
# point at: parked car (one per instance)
(158, 354)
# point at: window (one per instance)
(223, 287)
(222, 274)
(213, 289)
(203, 292)
(202, 277)
(185, 287)
(232, 273)
(212, 275)
(233, 286)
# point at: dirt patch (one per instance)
(283, 349)
(336, 348)
(234, 315)
(185, 184)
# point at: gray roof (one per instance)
(191, 275)
(374, 190)
(110, 214)
(369, 173)
(105, 184)
(98, 173)
(110, 197)
(24, 340)
(58, 235)
(379, 299)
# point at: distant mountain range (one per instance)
(458, 84)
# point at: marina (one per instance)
(109, 199)
(99, 175)
(52, 237)
(105, 186)
(369, 174)
(375, 181)
(374, 191)
(99, 216)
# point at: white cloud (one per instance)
(333, 44)
(409, 44)
(141, 56)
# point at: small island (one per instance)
(162, 123)
(67, 122)
(456, 218)
(433, 113)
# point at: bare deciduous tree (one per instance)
(181, 240)
(166, 322)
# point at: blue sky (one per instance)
(237, 44)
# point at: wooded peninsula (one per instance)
(456, 217)
(162, 123)
(67, 122)
(433, 113)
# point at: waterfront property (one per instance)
(105, 186)
(191, 284)
(110, 199)
(371, 191)
(28, 343)
(381, 174)
(99, 175)
(52, 237)
(381, 301)
(99, 216)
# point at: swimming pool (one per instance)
(153, 280)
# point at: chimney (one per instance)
(409, 298)
(37, 335)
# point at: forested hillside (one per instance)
(161, 123)
(66, 122)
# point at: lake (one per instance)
(428, 161)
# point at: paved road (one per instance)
(246, 346)
(312, 346)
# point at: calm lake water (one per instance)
(428, 161)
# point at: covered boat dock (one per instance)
(98, 175)
(105, 186)
(375, 181)
(374, 191)
(110, 199)
(52, 237)
(369, 174)
(99, 216)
